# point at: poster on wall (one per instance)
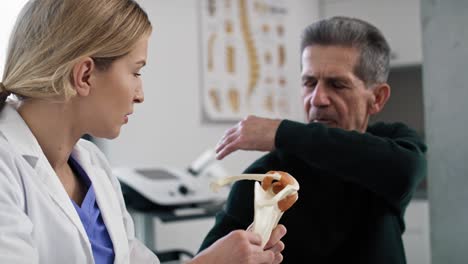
(243, 59)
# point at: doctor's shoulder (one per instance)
(8, 155)
(10, 163)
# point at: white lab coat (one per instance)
(38, 223)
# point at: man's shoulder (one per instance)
(398, 131)
(394, 129)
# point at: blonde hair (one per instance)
(51, 36)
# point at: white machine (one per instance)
(170, 187)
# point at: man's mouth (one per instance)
(323, 121)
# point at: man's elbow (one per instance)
(410, 175)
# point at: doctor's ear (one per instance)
(81, 76)
(381, 95)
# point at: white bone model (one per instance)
(271, 198)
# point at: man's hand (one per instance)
(252, 133)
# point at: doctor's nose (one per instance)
(139, 95)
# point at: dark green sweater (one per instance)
(354, 191)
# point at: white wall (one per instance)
(445, 92)
(399, 21)
(167, 130)
(8, 12)
(406, 100)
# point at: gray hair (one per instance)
(374, 63)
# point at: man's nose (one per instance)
(139, 95)
(320, 97)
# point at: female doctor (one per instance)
(73, 67)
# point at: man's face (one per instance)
(332, 94)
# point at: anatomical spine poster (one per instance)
(243, 59)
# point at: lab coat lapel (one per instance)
(107, 202)
(17, 132)
(56, 190)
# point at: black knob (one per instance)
(183, 189)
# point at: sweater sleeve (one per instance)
(388, 160)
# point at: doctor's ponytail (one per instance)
(4, 93)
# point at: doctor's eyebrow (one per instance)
(142, 62)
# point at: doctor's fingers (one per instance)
(278, 232)
(278, 258)
(258, 255)
(277, 248)
(263, 257)
(252, 238)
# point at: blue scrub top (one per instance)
(90, 215)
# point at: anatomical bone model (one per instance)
(277, 193)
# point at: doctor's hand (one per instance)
(252, 133)
(244, 247)
(275, 244)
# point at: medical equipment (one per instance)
(147, 188)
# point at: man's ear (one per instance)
(381, 95)
(81, 76)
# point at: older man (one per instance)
(356, 179)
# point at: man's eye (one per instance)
(137, 74)
(338, 85)
(309, 84)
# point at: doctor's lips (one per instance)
(126, 117)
